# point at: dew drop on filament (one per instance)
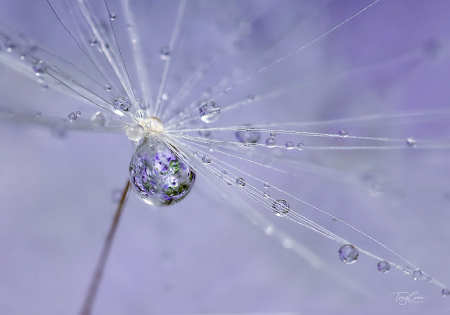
(209, 112)
(281, 207)
(348, 253)
(383, 266)
(158, 176)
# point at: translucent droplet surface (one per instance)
(93, 41)
(250, 98)
(383, 266)
(343, 133)
(78, 113)
(417, 274)
(39, 68)
(411, 142)
(72, 116)
(300, 146)
(113, 16)
(248, 135)
(266, 194)
(107, 87)
(289, 145)
(240, 181)
(348, 253)
(280, 207)
(209, 112)
(406, 271)
(445, 292)
(122, 103)
(98, 119)
(266, 185)
(158, 176)
(206, 159)
(165, 53)
(271, 142)
(139, 114)
(273, 134)
(135, 132)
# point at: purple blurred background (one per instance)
(202, 256)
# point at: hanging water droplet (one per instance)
(206, 160)
(122, 103)
(266, 185)
(72, 116)
(135, 132)
(273, 134)
(78, 113)
(93, 41)
(348, 253)
(300, 146)
(209, 112)
(248, 135)
(281, 207)
(289, 145)
(266, 194)
(406, 271)
(417, 274)
(270, 142)
(165, 53)
(445, 292)
(113, 16)
(107, 87)
(343, 133)
(98, 119)
(240, 181)
(39, 68)
(158, 176)
(411, 142)
(383, 266)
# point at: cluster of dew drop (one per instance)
(159, 174)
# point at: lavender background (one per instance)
(202, 256)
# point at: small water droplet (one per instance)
(266, 185)
(135, 132)
(289, 145)
(445, 292)
(273, 134)
(39, 68)
(250, 98)
(266, 194)
(229, 184)
(10, 46)
(343, 133)
(179, 126)
(113, 16)
(334, 219)
(165, 53)
(107, 87)
(209, 112)
(165, 96)
(139, 114)
(280, 207)
(406, 271)
(383, 266)
(98, 119)
(206, 159)
(78, 113)
(348, 253)
(269, 230)
(411, 142)
(300, 146)
(224, 172)
(93, 41)
(417, 274)
(122, 103)
(248, 135)
(270, 142)
(240, 181)
(72, 116)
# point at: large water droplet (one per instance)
(122, 103)
(209, 112)
(289, 145)
(348, 253)
(281, 207)
(158, 176)
(271, 142)
(248, 135)
(383, 266)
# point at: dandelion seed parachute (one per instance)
(373, 65)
